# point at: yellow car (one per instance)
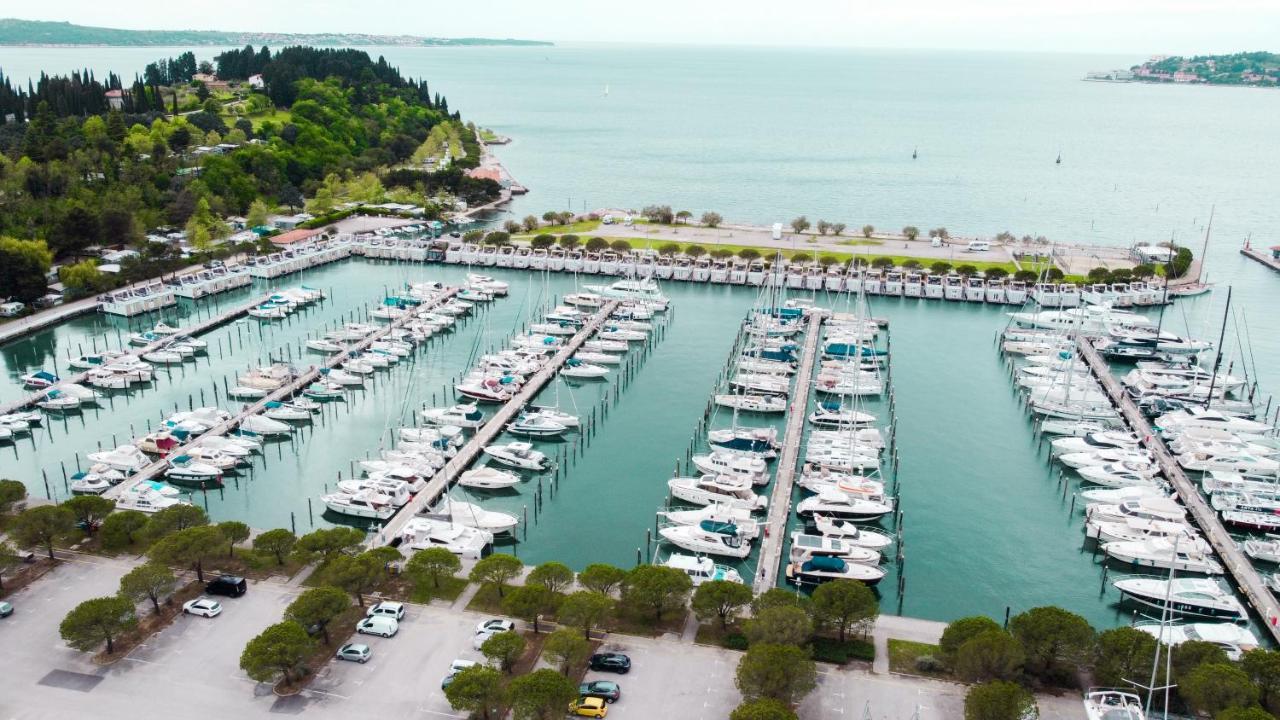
(589, 707)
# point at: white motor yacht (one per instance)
(1122, 474)
(708, 537)
(487, 478)
(1095, 441)
(146, 502)
(1186, 596)
(851, 533)
(368, 504)
(554, 414)
(463, 416)
(581, 370)
(609, 346)
(1195, 417)
(92, 483)
(518, 455)
(716, 490)
(1240, 463)
(823, 569)
(420, 533)
(187, 468)
(397, 491)
(833, 415)
(1234, 639)
(748, 527)
(753, 403)
(1263, 550)
(1154, 507)
(806, 547)
(724, 462)
(702, 569)
(265, 426)
(126, 458)
(281, 411)
(489, 390)
(844, 506)
(472, 515)
(1194, 556)
(536, 425)
(1112, 705)
(1106, 456)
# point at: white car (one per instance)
(496, 625)
(387, 608)
(202, 606)
(378, 625)
(478, 641)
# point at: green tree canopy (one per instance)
(601, 577)
(911, 232)
(997, 701)
(712, 219)
(504, 649)
(1263, 667)
(478, 690)
(189, 548)
(428, 567)
(585, 609)
(529, 603)
(496, 571)
(781, 672)
(277, 543)
(959, 631)
(1214, 687)
(122, 529)
(97, 621)
(9, 560)
(277, 652)
(845, 605)
(234, 532)
(695, 251)
(542, 241)
(175, 518)
(11, 492)
(597, 244)
(318, 606)
(655, 589)
(23, 266)
(1054, 639)
(565, 648)
(326, 544)
(1244, 713)
(989, 655)
(568, 242)
(1123, 653)
(41, 526)
(780, 626)
(89, 510)
(720, 599)
(358, 574)
(554, 576)
(800, 224)
(541, 695)
(150, 581)
(1192, 654)
(762, 709)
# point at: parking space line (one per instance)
(437, 712)
(327, 693)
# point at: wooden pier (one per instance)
(194, 330)
(1235, 562)
(439, 483)
(284, 392)
(1264, 257)
(788, 460)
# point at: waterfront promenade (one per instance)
(784, 480)
(1237, 565)
(493, 427)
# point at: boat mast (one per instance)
(1217, 361)
(1203, 252)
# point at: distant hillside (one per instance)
(1249, 68)
(33, 32)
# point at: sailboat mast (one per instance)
(1217, 362)
(1204, 251)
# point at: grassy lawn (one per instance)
(450, 589)
(904, 653)
(628, 623)
(574, 228)
(277, 116)
(731, 638)
(487, 600)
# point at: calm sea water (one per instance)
(763, 135)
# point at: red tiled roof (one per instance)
(294, 236)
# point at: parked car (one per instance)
(606, 690)
(589, 707)
(6, 609)
(611, 662)
(228, 585)
(202, 606)
(387, 608)
(378, 625)
(496, 625)
(478, 641)
(456, 667)
(355, 652)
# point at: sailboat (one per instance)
(1199, 287)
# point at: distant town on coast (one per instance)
(1256, 69)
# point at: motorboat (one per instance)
(1201, 597)
(485, 283)
(824, 569)
(55, 400)
(489, 390)
(219, 458)
(445, 439)
(1145, 508)
(806, 547)
(752, 403)
(472, 515)
(161, 442)
(125, 458)
(518, 455)
(40, 380)
(536, 425)
(723, 462)
(702, 569)
(325, 345)
(1106, 456)
(850, 533)
(420, 533)
(1094, 441)
(716, 490)
(758, 442)
(368, 504)
(342, 377)
(1138, 530)
(845, 459)
(241, 392)
(91, 483)
(265, 425)
(186, 468)
(323, 391)
(1112, 496)
(147, 502)
(1194, 417)
(608, 346)
(276, 410)
(834, 415)
(1234, 639)
(553, 414)
(487, 478)
(1121, 474)
(748, 527)
(1216, 482)
(1263, 550)
(643, 290)
(463, 416)
(844, 506)
(1267, 522)
(761, 383)
(86, 396)
(614, 332)
(575, 368)
(395, 490)
(1194, 556)
(1113, 705)
(708, 537)
(163, 357)
(1243, 464)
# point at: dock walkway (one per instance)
(157, 468)
(1263, 257)
(194, 331)
(784, 481)
(467, 454)
(1237, 565)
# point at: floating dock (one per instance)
(788, 460)
(195, 330)
(157, 468)
(1268, 258)
(1237, 565)
(493, 427)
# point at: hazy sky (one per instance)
(1127, 26)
